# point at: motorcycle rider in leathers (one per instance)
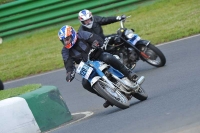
(93, 24)
(76, 47)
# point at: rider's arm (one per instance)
(95, 39)
(105, 20)
(68, 61)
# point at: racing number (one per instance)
(83, 71)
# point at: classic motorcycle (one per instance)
(130, 48)
(111, 84)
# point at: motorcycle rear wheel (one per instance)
(156, 59)
(115, 97)
(140, 94)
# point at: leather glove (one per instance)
(95, 44)
(121, 17)
(70, 75)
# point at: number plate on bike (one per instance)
(134, 39)
(84, 70)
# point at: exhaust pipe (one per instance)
(141, 80)
(132, 87)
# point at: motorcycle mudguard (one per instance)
(94, 80)
(143, 42)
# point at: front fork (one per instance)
(143, 43)
(102, 75)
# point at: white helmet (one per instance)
(85, 15)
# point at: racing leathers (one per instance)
(98, 22)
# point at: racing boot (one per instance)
(128, 73)
(106, 104)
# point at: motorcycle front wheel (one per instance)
(155, 56)
(115, 97)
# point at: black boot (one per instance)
(129, 73)
(124, 70)
(106, 104)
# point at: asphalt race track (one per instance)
(173, 105)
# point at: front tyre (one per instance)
(115, 97)
(156, 57)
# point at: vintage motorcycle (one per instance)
(111, 84)
(130, 48)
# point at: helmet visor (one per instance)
(67, 42)
(87, 22)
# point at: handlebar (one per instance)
(91, 50)
(122, 21)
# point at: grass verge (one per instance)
(18, 91)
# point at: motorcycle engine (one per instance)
(132, 54)
(128, 58)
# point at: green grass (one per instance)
(40, 51)
(166, 20)
(5, 1)
(18, 91)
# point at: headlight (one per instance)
(129, 33)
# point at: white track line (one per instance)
(87, 114)
(179, 40)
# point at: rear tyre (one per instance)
(115, 97)
(140, 94)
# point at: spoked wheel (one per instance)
(115, 97)
(155, 56)
(140, 94)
